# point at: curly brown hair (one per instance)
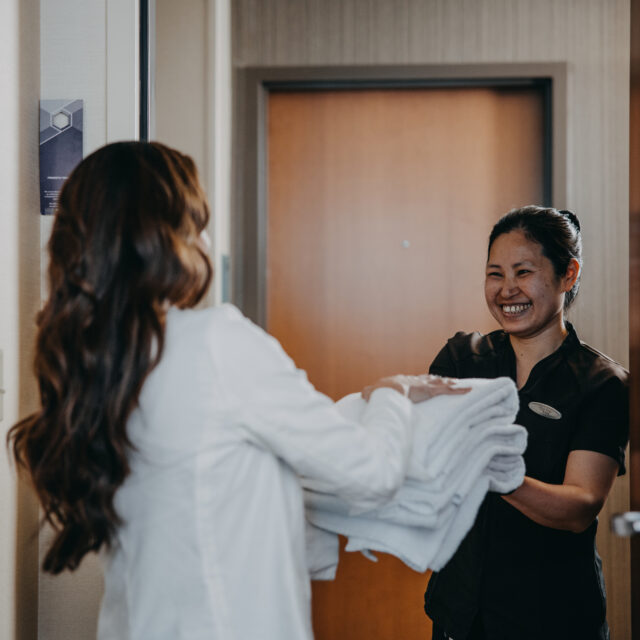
(124, 247)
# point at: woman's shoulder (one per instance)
(228, 334)
(468, 355)
(207, 319)
(464, 345)
(596, 368)
(194, 324)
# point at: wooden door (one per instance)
(379, 208)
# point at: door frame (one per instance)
(251, 87)
(634, 305)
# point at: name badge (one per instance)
(545, 410)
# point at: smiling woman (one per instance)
(533, 275)
(529, 565)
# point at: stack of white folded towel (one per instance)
(463, 447)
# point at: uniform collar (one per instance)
(571, 340)
(569, 344)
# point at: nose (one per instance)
(509, 287)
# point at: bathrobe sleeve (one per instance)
(280, 410)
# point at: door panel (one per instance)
(379, 208)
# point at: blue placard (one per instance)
(60, 147)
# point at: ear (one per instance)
(570, 277)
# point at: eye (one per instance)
(494, 274)
(523, 272)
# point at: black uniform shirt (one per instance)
(526, 580)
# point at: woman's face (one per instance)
(521, 288)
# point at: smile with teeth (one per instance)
(514, 309)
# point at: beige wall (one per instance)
(180, 85)
(192, 102)
(19, 296)
(592, 38)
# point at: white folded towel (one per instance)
(426, 504)
(435, 449)
(464, 446)
(498, 457)
(420, 548)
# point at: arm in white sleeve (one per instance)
(362, 462)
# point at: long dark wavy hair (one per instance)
(125, 246)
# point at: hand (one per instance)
(417, 388)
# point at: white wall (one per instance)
(19, 285)
(73, 43)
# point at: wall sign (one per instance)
(60, 147)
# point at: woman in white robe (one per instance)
(172, 440)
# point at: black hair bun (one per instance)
(573, 218)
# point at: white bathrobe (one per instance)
(213, 541)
